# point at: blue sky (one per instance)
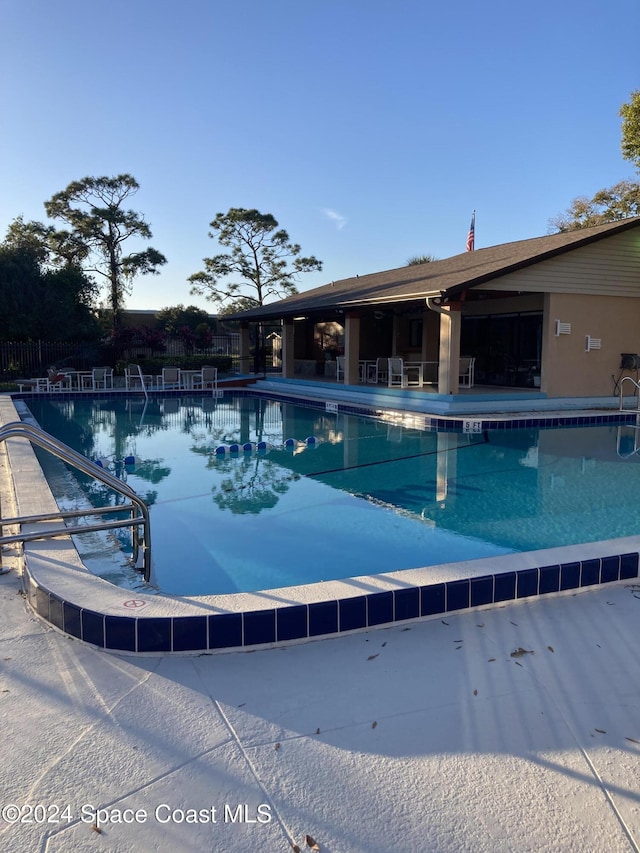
(370, 130)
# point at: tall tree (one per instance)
(610, 203)
(262, 257)
(94, 209)
(630, 114)
(607, 205)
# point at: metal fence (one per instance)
(27, 359)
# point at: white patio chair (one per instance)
(207, 378)
(170, 378)
(101, 378)
(382, 370)
(134, 378)
(397, 373)
(466, 371)
(340, 368)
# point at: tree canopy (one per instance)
(619, 201)
(100, 225)
(607, 205)
(415, 260)
(263, 261)
(40, 302)
(630, 114)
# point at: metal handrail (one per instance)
(19, 429)
(637, 387)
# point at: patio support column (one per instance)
(245, 348)
(287, 348)
(351, 349)
(448, 373)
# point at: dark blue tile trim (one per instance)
(569, 575)
(406, 603)
(458, 594)
(292, 623)
(379, 608)
(301, 621)
(92, 628)
(505, 587)
(225, 630)
(259, 627)
(352, 613)
(120, 633)
(432, 599)
(323, 618)
(549, 579)
(526, 583)
(154, 634)
(189, 633)
(628, 566)
(481, 591)
(590, 573)
(56, 611)
(72, 623)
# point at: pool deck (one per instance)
(493, 728)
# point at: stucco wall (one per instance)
(567, 368)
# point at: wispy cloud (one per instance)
(336, 217)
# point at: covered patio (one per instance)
(511, 318)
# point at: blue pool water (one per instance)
(369, 497)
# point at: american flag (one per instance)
(472, 233)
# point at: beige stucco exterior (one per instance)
(568, 368)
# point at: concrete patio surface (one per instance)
(515, 728)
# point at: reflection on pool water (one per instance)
(368, 497)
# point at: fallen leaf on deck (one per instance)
(480, 625)
(601, 731)
(373, 724)
(550, 648)
(458, 647)
(371, 657)
(317, 731)
(475, 692)
(517, 653)
(632, 739)
(443, 622)
(384, 644)
(294, 847)
(514, 623)
(277, 746)
(312, 843)
(491, 660)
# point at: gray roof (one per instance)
(448, 277)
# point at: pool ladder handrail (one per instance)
(19, 429)
(636, 384)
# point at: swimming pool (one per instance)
(365, 497)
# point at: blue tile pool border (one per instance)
(299, 622)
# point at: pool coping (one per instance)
(66, 594)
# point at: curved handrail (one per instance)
(637, 387)
(19, 429)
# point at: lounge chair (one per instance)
(340, 368)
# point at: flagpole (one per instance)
(471, 236)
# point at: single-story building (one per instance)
(555, 313)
